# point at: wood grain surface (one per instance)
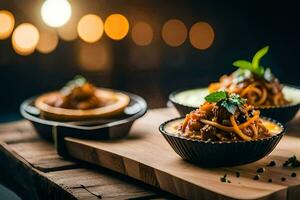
(146, 156)
(31, 167)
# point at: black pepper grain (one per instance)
(272, 164)
(283, 179)
(224, 179)
(270, 180)
(293, 174)
(260, 170)
(237, 174)
(256, 177)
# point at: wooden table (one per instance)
(33, 168)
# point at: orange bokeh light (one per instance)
(90, 28)
(174, 32)
(7, 23)
(201, 35)
(68, 32)
(116, 26)
(48, 41)
(142, 34)
(25, 39)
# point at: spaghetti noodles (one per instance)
(211, 121)
(257, 90)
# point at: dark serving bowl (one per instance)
(186, 100)
(102, 128)
(220, 154)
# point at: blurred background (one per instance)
(146, 47)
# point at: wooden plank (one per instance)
(17, 131)
(34, 166)
(41, 155)
(79, 183)
(99, 184)
(146, 156)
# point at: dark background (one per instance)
(241, 28)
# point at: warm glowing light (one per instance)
(94, 57)
(116, 26)
(174, 32)
(48, 41)
(25, 38)
(202, 35)
(7, 23)
(68, 32)
(90, 28)
(142, 34)
(56, 13)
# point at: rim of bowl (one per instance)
(173, 100)
(40, 120)
(163, 131)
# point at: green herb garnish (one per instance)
(230, 102)
(254, 66)
(78, 80)
(216, 96)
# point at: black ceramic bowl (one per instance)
(186, 100)
(220, 154)
(102, 128)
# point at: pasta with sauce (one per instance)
(213, 122)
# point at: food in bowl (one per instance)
(224, 117)
(251, 81)
(223, 131)
(254, 82)
(79, 99)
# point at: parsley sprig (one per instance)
(254, 66)
(78, 80)
(231, 102)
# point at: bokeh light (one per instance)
(7, 23)
(174, 32)
(25, 38)
(48, 41)
(116, 26)
(94, 57)
(56, 13)
(90, 28)
(68, 32)
(201, 35)
(142, 34)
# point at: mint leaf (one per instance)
(229, 106)
(242, 64)
(230, 102)
(216, 96)
(233, 102)
(78, 80)
(254, 66)
(256, 58)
